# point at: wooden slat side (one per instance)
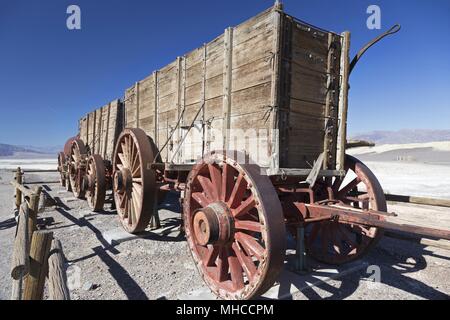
(313, 103)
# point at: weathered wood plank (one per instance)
(20, 258)
(57, 278)
(35, 280)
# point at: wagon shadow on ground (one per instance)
(394, 270)
(126, 282)
(7, 224)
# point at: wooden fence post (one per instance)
(57, 278)
(21, 255)
(20, 261)
(34, 208)
(19, 180)
(39, 250)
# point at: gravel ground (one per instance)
(160, 266)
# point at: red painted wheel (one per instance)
(77, 168)
(234, 227)
(334, 242)
(134, 180)
(95, 181)
(62, 167)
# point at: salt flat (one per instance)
(29, 164)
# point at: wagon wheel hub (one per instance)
(213, 225)
(123, 181)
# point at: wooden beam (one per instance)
(156, 95)
(39, 250)
(18, 181)
(33, 210)
(57, 278)
(20, 258)
(105, 146)
(343, 101)
(418, 200)
(136, 89)
(275, 92)
(372, 218)
(21, 190)
(227, 86)
(179, 98)
(36, 171)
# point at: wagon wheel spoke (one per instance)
(248, 225)
(324, 237)
(201, 199)
(213, 253)
(235, 269)
(336, 238)
(349, 187)
(250, 245)
(244, 207)
(208, 188)
(216, 180)
(222, 265)
(347, 235)
(314, 233)
(246, 262)
(238, 192)
(227, 182)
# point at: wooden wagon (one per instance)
(250, 129)
(85, 165)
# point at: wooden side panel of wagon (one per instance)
(99, 129)
(309, 95)
(224, 86)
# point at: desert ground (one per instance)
(158, 264)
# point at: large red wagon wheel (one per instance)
(234, 226)
(62, 167)
(335, 242)
(96, 182)
(77, 160)
(134, 180)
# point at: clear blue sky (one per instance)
(50, 76)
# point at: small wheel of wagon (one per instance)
(62, 168)
(134, 180)
(234, 227)
(76, 167)
(95, 181)
(334, 242)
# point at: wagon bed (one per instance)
(273, 74)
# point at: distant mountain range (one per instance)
(7, 150)
(403, 136)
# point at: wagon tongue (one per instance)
(348, 215)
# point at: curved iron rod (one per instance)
(396, 28)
